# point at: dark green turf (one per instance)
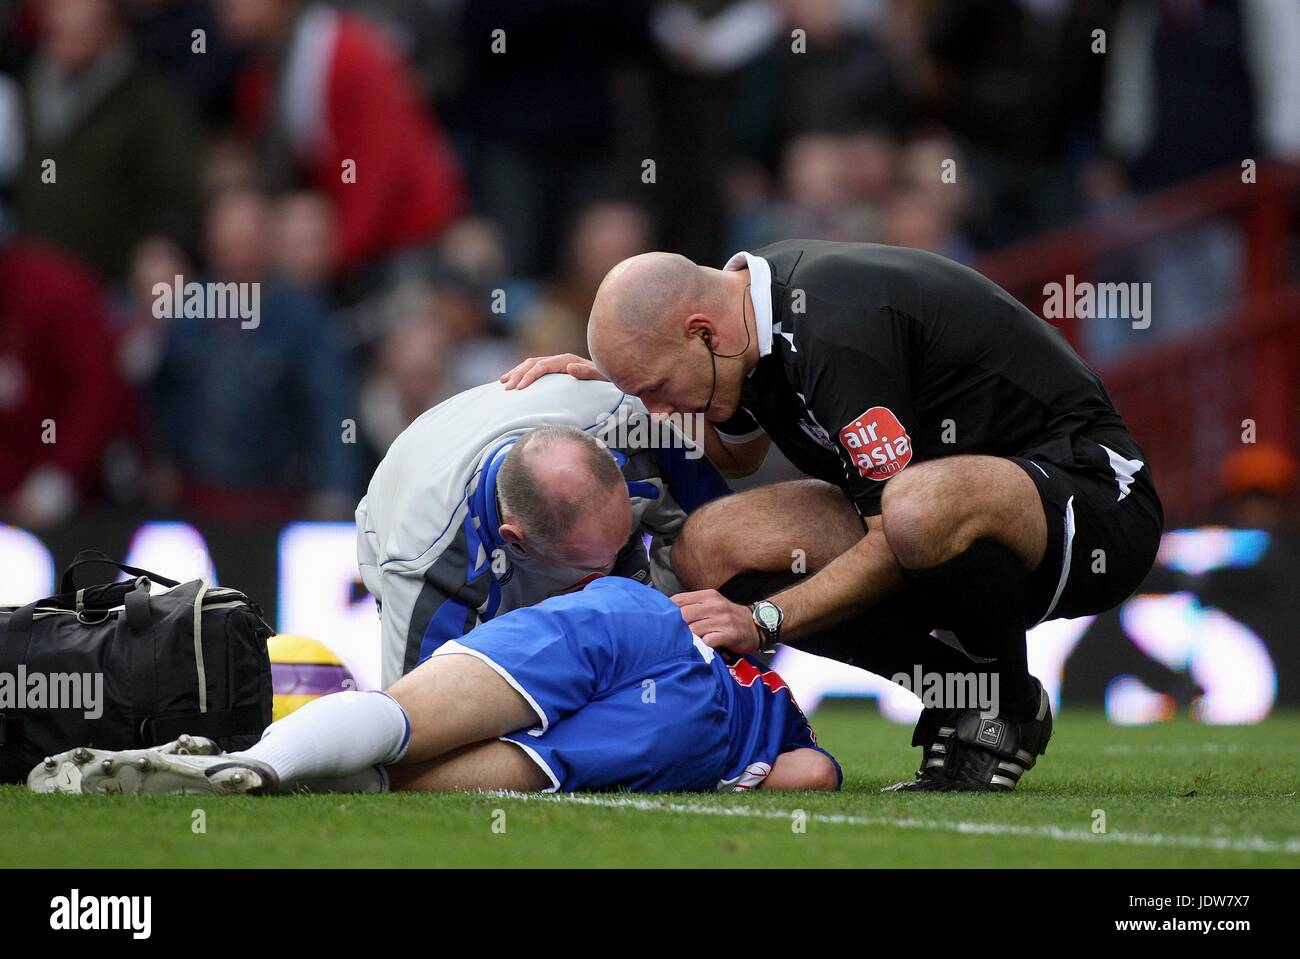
(1159, 786)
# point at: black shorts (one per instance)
(1104, 521)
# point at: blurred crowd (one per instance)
(426, 191)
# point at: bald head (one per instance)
(639, 293)
(642, 301)
(563, 497)
(658, 324)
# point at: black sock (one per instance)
(980, 595)
(754, 584)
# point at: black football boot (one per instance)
(991, 754)
(933, 732)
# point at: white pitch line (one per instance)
(1186, 748)
(1289, 847)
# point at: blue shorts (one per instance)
(625, 696)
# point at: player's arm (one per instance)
(734, 460)
(738, 446)
(803, 768)
(855, 580)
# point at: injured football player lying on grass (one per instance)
(602, 689)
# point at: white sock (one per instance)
(372, 779)
(334, 736)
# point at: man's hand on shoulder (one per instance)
(535, 367)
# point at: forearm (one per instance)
(858, 578)
(730, 459)
(714, 449)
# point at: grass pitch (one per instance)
(1176, 794)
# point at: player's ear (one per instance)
(699, 325)
(511, 533)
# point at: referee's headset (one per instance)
(707, 338)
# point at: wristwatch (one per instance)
(767, 619)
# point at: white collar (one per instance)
(760, 295)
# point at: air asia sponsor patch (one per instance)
(877, 443)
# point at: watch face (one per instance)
(768, 616)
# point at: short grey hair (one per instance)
(547, 515)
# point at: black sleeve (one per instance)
(858, 372)
(740, 427)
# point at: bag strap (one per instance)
(104, 596)
(214, 724)
(144, 669)
(91, 557)
(16, 640)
